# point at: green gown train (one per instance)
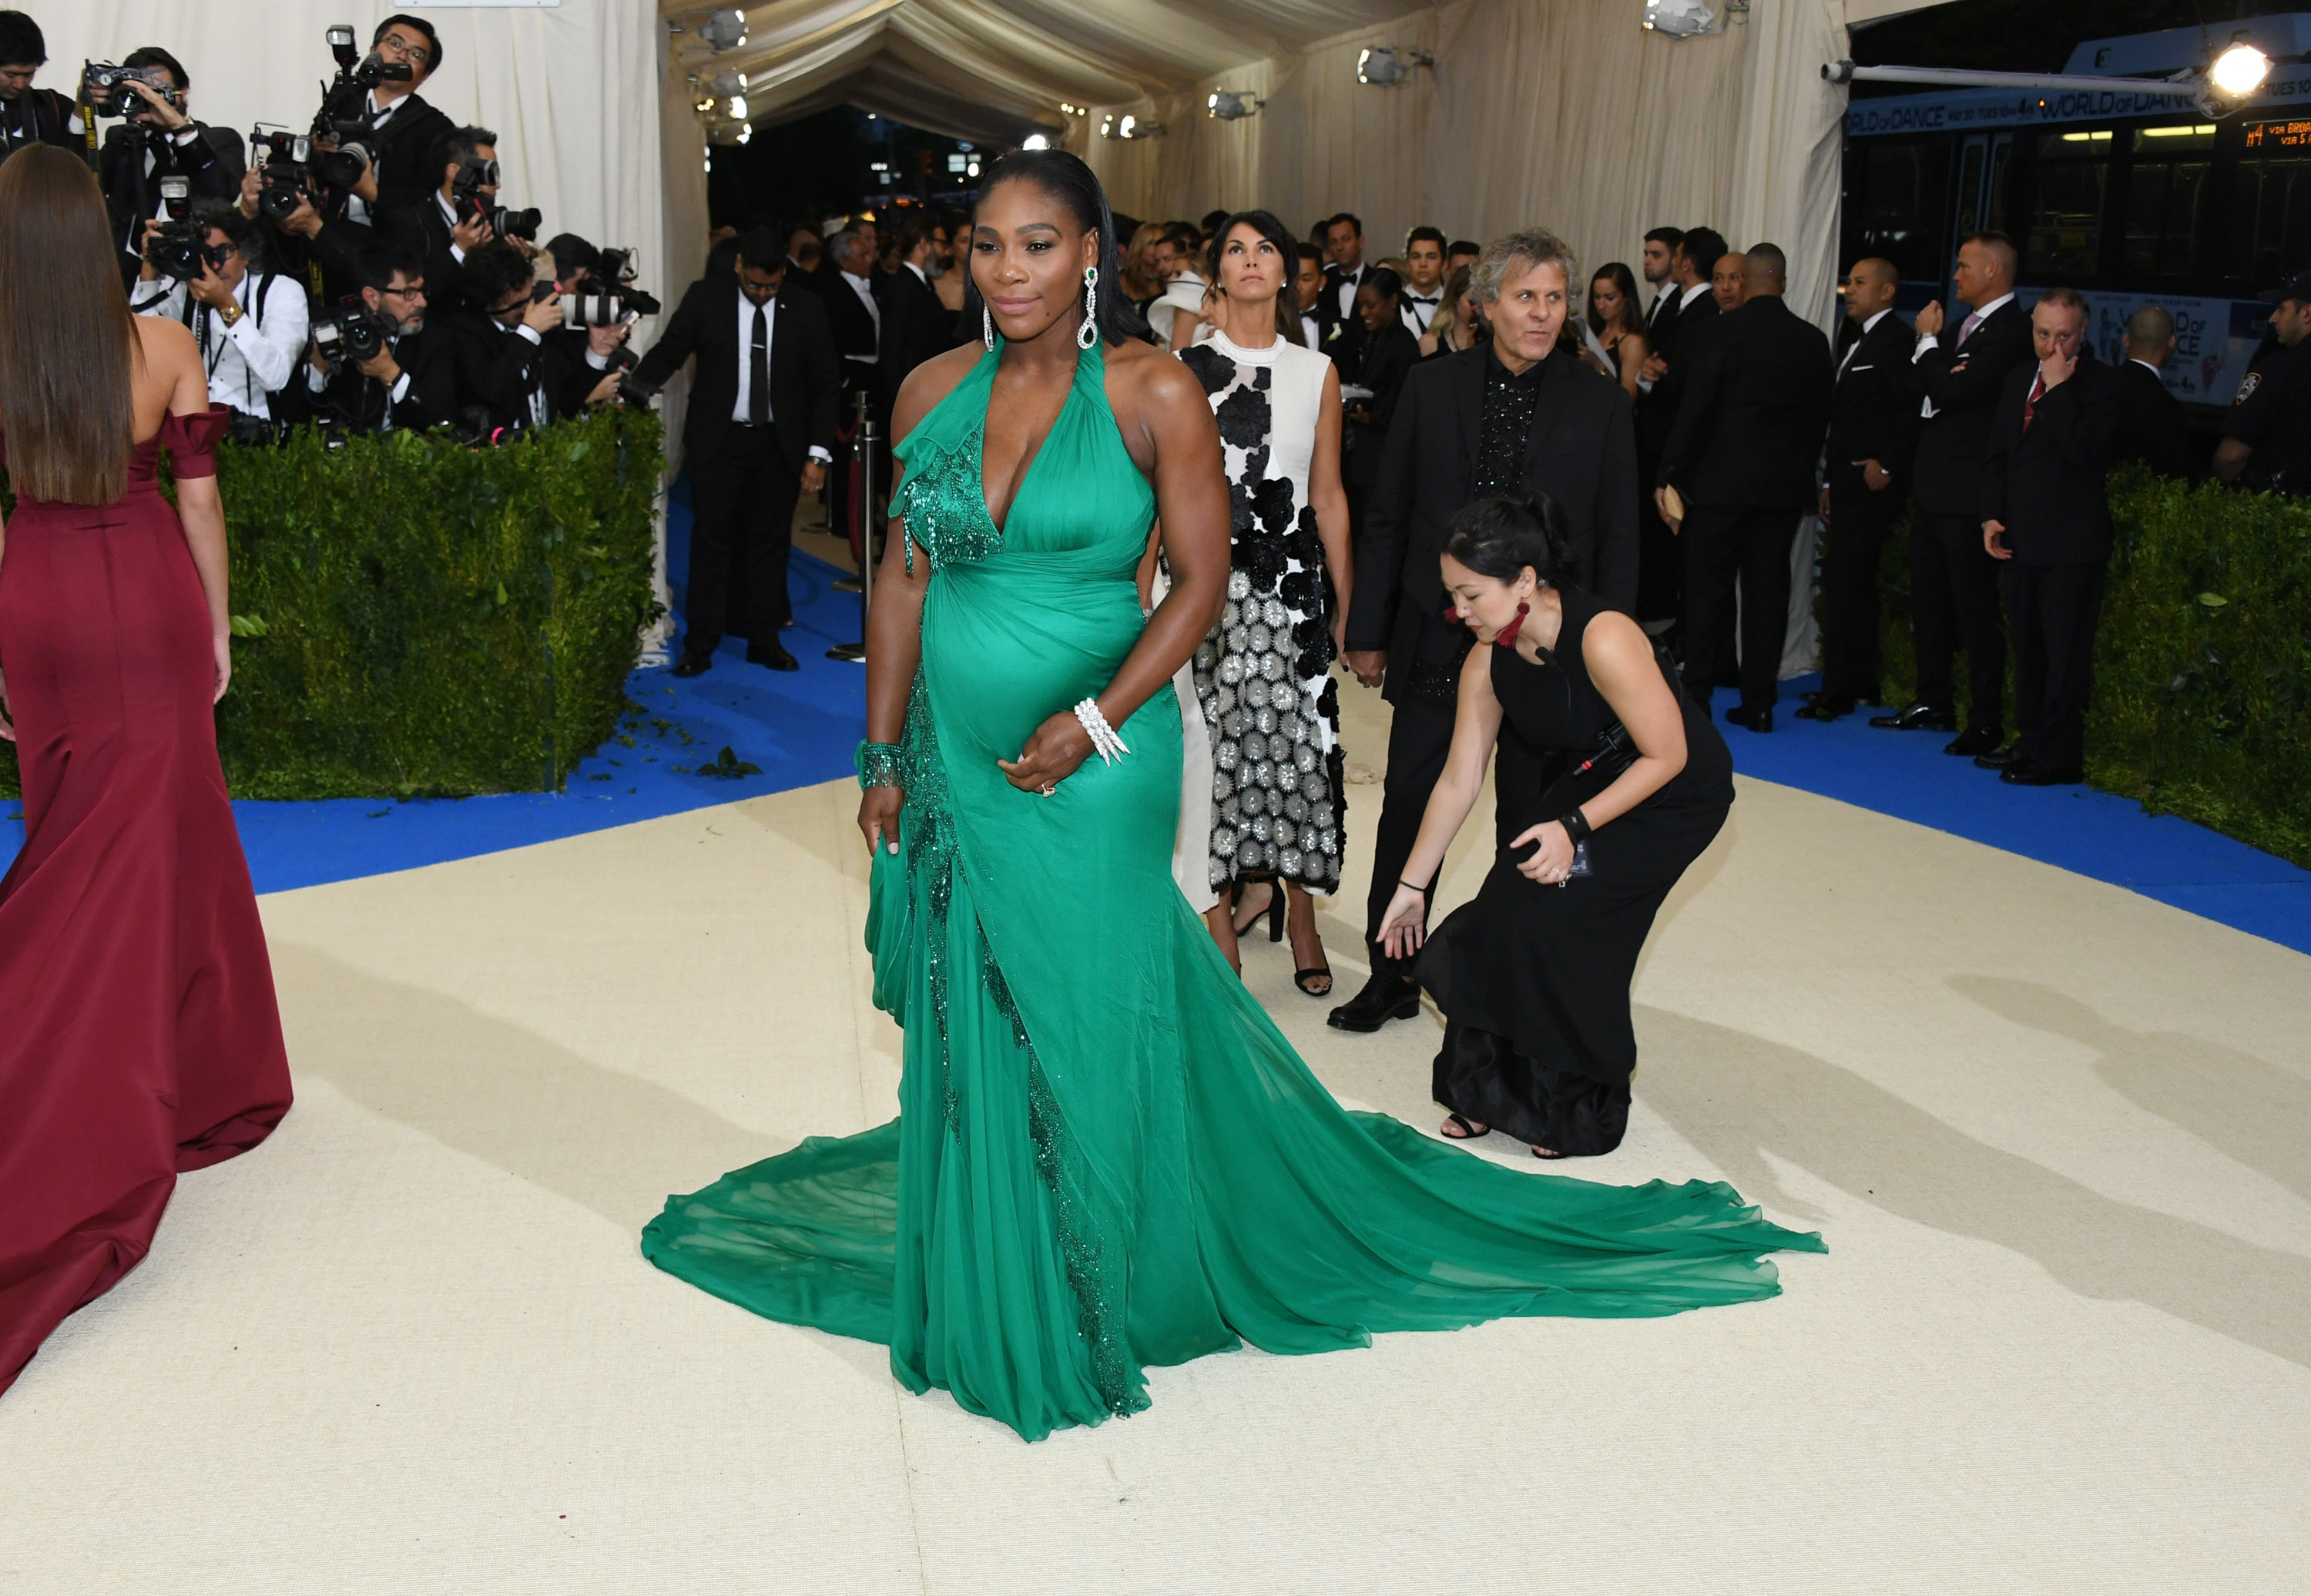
(1106, 1156)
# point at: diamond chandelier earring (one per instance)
(1088, 334)
(986, 324)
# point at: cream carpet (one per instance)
(2058, 1137)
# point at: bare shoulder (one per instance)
(165, 339)
(1613, 640)
(929, 383)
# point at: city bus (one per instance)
(2133, 199)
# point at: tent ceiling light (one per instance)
(1229, 105)
(1128, 127)
(1681, 19)
(2236, 75)
(1385, 66)
(736, 107)
(724, 30)
(1035, 141)
(727, 83)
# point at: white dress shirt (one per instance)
(1315, 336)
(254, 357)
(1691, 295)
(742, 409)
(1417, 309)
(865, 288)
(449, 215)
(1349, 285)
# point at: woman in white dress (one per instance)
(1264, 675)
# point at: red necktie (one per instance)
(2030, 405)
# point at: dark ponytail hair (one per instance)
(1384, 283)
(1066, 178)
(1269, 226)
(1500, 535)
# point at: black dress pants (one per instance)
(2055, 610)
(742, 502)
(1660, 556)
(1954, 599)
(1723, 542)
(1859, 520)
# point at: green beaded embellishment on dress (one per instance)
(944, 504)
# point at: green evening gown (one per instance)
(1106, 1156)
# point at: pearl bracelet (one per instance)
(1103, 736)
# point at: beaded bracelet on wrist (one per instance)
(877, 764)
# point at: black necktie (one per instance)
(758, 370)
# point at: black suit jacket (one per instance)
(422, 227)
(38, 117)
(847, 316)
(2045, 483)
(408, 152)
(1583, 454)
(1390, 355)
(1676, 339)
(803, 380)
(1342, 332)
(498, 369)
(2153, 427)
(1873, 412)
(916, 327)
(1964, 386)
(1756, 401)
(211, 161)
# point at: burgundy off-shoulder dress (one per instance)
(139, 1037)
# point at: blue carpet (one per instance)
(1907, 775)
(799, 727)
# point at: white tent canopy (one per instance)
(1567, 113)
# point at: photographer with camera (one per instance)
(29, 115)
(503, 365)
(463, 213)
(158, 141)
(369, 105)
(375, 363)
(251, 322)
(600, 306)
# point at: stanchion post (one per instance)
(863, 441)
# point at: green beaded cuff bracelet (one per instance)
(878, 764)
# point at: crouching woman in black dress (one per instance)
(1533, 975)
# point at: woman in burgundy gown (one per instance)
(138, 1033)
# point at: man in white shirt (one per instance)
(251, 328)
(1424, 279)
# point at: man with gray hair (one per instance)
(2152, 427)
(1519, 414)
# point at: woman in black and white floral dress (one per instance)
(1264, 676)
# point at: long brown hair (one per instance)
(1287, 247)
(68, 346)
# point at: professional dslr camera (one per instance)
(347, 335)
(178, 248)
(465, 199)
(608, 295)
(104, 87)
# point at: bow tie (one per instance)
(1423, 299)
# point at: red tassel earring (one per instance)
(1508, 633)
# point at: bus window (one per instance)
(2273, 202)
(1903, 189)
(2065, 237)
(2164, 197)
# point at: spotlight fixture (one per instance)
(724, 30)
(728, 84)
(1229, 105)
(1033, 141)
(1127, 126)
(2239, 71)
(1681, 19)
(1074, 110)
(736, 108)
(1385, 66)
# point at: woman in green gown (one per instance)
(1106, 1156)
